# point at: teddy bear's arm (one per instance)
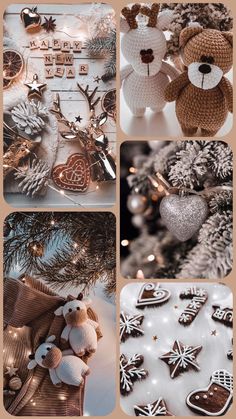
(54, 378)
(227, 90)
(169, 70)
(174, 87)
(125, 71)
(66, 332)
(93, 323)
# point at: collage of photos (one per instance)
(117, 209)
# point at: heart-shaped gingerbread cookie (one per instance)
(152, 295)
(74, 175)
(215, 399)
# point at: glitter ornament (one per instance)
(183, 215)
(15, 383)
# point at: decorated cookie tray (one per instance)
(179, 337)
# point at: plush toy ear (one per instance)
(229, 37)
(164, 20)
(59, 311)
(87, 301)
(124, 26)
(32, 364)
(80, 296)
(50, 339)
(187, 33)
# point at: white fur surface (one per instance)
(71, 370)
(83, 338)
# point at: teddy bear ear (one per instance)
(229, 37)
(32, 364)
(187, 33)
(124, 26)
(59, 311)
(50, 339)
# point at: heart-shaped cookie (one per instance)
(152, 295)
(74, 175)
(183, 216)
(216, 398)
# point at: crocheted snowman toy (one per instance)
(144, 47)
(80, 331)
(64, 367)
(203, 95)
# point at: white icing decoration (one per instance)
(129, 323)
(224, 379)
(160, 296)
(128, 374)
(154, 409)
(182, 357)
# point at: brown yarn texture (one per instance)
(30, 306)
(195, 107)
(130, 15)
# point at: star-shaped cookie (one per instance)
(157, 408)
(130, 372)
(181, 358)
(130, 326)
(11, 371)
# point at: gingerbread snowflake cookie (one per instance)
(215, 399)
(230, 353)
(151, 295)
(223, 311)
(130, 326)
(157, 408)
(198, 297)
(181, 358)
(130, 372)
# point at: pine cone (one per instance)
(34, 177)
(30, 116)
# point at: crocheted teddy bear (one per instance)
(80, 331)
(64, 367)
(144, 47)
(203, 95)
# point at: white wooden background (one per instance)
(72, 101)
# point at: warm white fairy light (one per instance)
(97, 187)
(149, 324)
(154, 381)
(140, 274)
(75, 245)
(52, 222)
(150, 258)
(132, 170)
(124, 243)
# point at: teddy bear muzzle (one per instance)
(147, 56)
(76, 317)
(53, 358)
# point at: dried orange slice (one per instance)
(12, 64)
(6, 83)
(109, 102)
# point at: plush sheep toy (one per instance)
(63, 366)
(80, 331)
(144, 47)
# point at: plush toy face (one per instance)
(144, 48)
(208, 53)
(144, 44)
(47, 355)
(74, 312)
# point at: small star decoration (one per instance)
(97, 79)
(213, 333)
(49, 25)
(155, 338)
(78, 118)
(35, 88)
(11, 371)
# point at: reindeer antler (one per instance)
(130, 15)
(151, 13)
(90, 96)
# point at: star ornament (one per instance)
(157, 408)
(181, 358)
(97, 79)
(78, 118)
(11, 371)
(35, 88)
